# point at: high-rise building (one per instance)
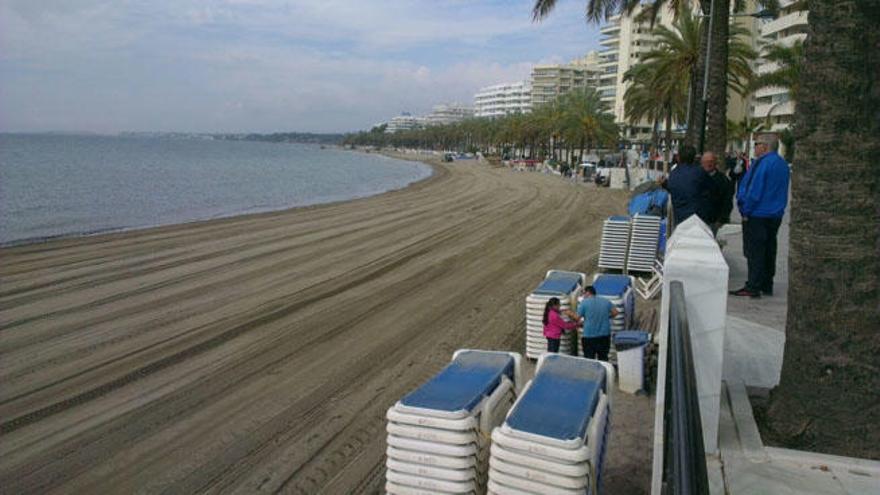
(775, 102)
(448, 114)
(550, 81)
(625, 40)
(503, 99)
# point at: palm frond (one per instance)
(542, 8)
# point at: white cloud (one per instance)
(259, 64)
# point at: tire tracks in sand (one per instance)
(259, 354)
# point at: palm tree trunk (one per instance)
(666, 156)
(716, 126)
(828, 395)
(695, 120)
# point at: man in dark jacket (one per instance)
(721, 195)
(690, 187)
(762, 197)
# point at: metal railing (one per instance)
(684, 459)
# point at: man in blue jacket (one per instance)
(761, 198)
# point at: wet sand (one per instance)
(258, 354)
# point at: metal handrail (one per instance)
(684, 461)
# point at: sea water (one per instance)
(61, 185)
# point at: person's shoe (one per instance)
(744, 292)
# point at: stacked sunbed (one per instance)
(557, 283)
(643, 243)
(615, 239)
(553, 440)
(438, 435)
(618, 290)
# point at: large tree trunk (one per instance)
(695, 120)
(716, 125)
(667, 155)
(829, 396)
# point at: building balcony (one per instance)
(791, 39)
(610, 28)
(783, 23)
(770, 92)
(612, 41)
(761, 111)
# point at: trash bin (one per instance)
(630, 345)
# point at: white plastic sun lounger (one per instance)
(438, 435)
(553, 440)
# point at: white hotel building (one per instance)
(786, 29)
(448, 113)
(624, 41)
(503, 99)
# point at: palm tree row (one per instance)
(575, 121)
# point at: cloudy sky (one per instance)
(263, 65)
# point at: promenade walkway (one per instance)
(754, 344)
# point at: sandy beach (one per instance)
(259, 353)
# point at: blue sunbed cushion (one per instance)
(611, 285)
(561, 399)
(463, 383)
(630, 338)
(559, 283)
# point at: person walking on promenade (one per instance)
(596, 313)
(555, 325)
(690, 188)
(721, 195)
(761, 198)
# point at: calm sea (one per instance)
(52, 186)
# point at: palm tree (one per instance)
(659, 91)
(586, 121)
(790, 62)
(828, 395)
(716, 137)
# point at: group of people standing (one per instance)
(761, 197)
(593, 314)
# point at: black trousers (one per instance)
(596, 347)
(759, 244)
(552, 345)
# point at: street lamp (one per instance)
(763, 14)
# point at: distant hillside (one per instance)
(285, 137)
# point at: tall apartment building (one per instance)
(551, 81)
(503, 99)
(448, 114)
(786, 29)
(624, 42)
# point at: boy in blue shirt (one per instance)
(596, 313)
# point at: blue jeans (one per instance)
(552, 345)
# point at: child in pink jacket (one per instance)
(554, 325)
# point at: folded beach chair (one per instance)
(554, 437)
(615, 241)
(438, 435)
(557, 283)
(643, 243)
